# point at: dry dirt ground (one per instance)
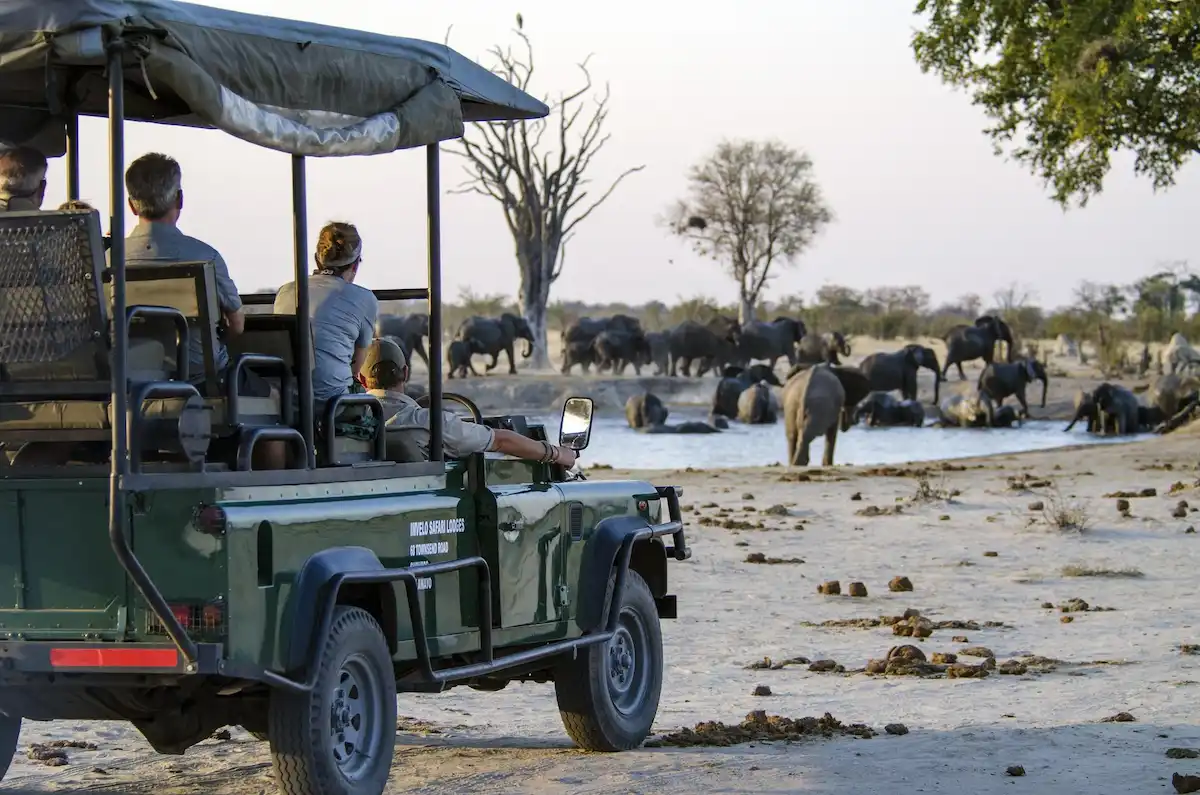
(996, 550)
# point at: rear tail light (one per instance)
(198, 618)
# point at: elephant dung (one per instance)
(830, 588)
(977, 651)
(826, 666)
(857, 589)
(915, 627)
(761, 690)
(907, 652)
(960, 671)
(944, 658)
(900, 584)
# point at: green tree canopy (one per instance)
(1067, 83)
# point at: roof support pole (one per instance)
(304, 358)
(433, 195)
(73, 156)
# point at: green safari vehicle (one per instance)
(147, 572)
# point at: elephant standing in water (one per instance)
(1000, 380)
(757, 405)
(645, 410)
(881, 409)
(492, 336)
(898, 370)
(691, 341)
(409, 332)
(827, 347)
(817, 402)
(770, 341)
(1085, 409)
(734, 381)
(660, 352)
(1116, 406)
(967, 343)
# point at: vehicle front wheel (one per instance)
(10, 732)
(608, 695)
(340, 738)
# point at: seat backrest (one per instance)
(272, 335)
(190, 288)
(53, 326)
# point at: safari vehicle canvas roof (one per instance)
(296, 87)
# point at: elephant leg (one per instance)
(686, 367)
(1024, 405)
(419, 348)
(512, 365)
(495, 361)
(962, 376)
(830, 444)
(801, 457)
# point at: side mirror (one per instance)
(575, 430)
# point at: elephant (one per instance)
(770, 341)
(1006, 417)
(614, 349)
(694, 426)
(1119, 404)
(458, 354)
(409, 332)
(691, 341)
(1085, 409)
(967, 343)
(1170, 393)
(818, 402)
(1181, 357)
(660, 352)
(734, 381)
(644, 410)
(881, 409)
(967, 411)
(1066, 346)
(579, 337)
(492, 336)
(898, 370)
(1150, 417)
(1000, 380)
(827, 347)
(757, 406)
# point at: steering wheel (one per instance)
(454, 397)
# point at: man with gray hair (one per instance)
(22, 179)
(155, 186)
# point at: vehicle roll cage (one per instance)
(116, 50)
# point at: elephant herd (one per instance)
(1111, 408)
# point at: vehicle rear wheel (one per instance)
(10, 732)
(340, 738)
(608, 695)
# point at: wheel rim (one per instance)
(355, 733)
(627, 663)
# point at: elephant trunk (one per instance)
(1045, 386)
(989, 410)
(528, 349)
(937, 381)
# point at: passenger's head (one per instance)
(155, 186)
(76, 204)
(23, 175)
(385, 366)
(339, 250)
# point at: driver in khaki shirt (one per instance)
(385, 372)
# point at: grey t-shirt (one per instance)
(161, 244)
(343, 318)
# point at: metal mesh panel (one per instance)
(49, 307)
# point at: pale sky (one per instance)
(918, 194)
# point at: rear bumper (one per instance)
(18, 658)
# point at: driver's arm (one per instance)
(518, 446)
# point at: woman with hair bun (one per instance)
(343, 314)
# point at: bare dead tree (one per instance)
(543, 189)
(751, 205)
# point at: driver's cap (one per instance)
(384, 350)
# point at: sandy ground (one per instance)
(981, 556)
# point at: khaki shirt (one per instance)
(459, 438)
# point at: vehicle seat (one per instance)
(55, 375)
(190, 288)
